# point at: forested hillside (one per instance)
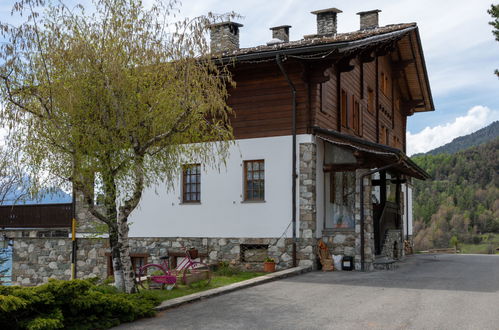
(461, 199)
(483, 135)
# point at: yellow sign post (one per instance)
(73, 254)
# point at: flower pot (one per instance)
(269, 267)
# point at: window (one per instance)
(384, 135)
(138, 260)
(191, 183)
(357, 122)
(351, 113)
(344, 108)
(322, 96)
(384, 83)
(341, 207)
(370, 100)
(254, 180)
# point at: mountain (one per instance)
(483, 135)
(462, 198)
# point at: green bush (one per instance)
(226, 269)
(77, 304)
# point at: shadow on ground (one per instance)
(476, 273)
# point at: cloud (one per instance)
(432, 137)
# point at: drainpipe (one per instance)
(407, 210)
(362, 243)
(293, 132)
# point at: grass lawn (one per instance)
(217, 280)
(489, 240)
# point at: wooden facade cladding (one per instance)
(262, 100)
(380, 87)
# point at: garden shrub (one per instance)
(226, 269)
(77, 304)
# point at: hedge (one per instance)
(76, 304)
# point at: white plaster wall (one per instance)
(407, 189)
(222, 212)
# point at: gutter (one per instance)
(293, 132)
(313, 48)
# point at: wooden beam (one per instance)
(345, 65)
(401, 65)
(343, 167)
(367, 57)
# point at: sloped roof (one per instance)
(314, 40)
(344, 44)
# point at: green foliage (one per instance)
(224, 268)
(77, 304)
(454, 241)
(117, 92)
(494, 12)
(461, 200)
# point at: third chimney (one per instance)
(327, 21)
(369, 19)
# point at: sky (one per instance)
(460, 51)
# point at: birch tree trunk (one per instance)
(127, 273)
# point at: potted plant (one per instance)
(269, 265)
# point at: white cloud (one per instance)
(433, 137)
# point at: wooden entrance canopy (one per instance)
(370, 155)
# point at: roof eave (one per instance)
(401, 156)
(314, 48)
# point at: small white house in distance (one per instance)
(338, 174)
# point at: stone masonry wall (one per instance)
(368, 223)
(308, 206)
(393, 247)
(35, 260)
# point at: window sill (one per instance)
(253, 202)
(189, 203)
(336, 230)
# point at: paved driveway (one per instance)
(425, 292)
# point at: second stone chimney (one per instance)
(281, 32)
(327, 21)
(224, 37)
(369, 19)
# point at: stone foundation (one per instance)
(393, 247)
(35, 260)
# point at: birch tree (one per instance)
(121, 91)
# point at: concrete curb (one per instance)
(172, 303)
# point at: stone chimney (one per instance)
(327, 21)
(369, 19)
(281, 32)
(224, 37)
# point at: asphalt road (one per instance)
(425, 292)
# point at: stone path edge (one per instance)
(172, 303)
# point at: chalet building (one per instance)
(320, 128)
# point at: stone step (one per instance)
(384, 263)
